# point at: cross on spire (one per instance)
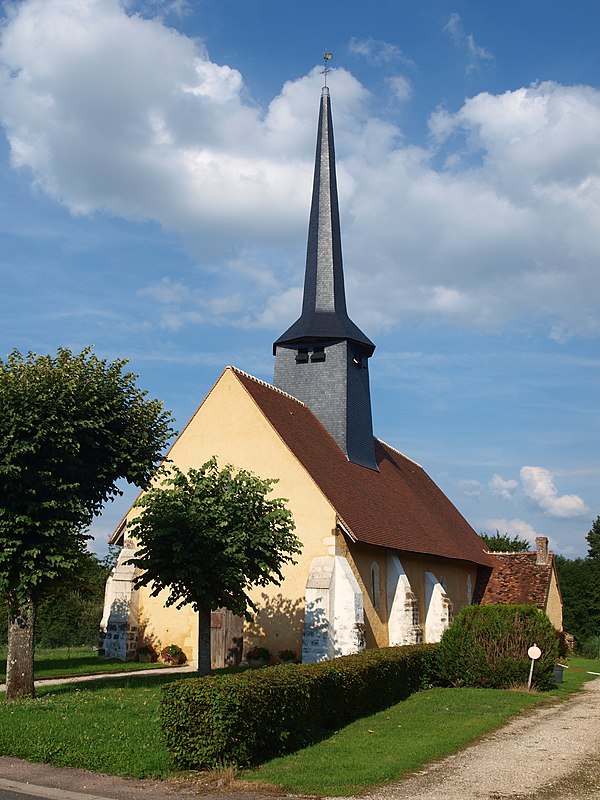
(327, 56)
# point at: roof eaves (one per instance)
(267, 385)
(400, 453)
(346, 529)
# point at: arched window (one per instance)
(375, 585)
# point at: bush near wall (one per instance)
(249, 717)
(486, 646)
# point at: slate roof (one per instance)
(517, 579)
(399, 506)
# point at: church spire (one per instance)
(322, 358)
(324, 313)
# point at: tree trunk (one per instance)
(19, 661)
(204, 655)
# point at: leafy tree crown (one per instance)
(503, 543)
(71, 426)
(210, 535)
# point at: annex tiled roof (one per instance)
(517, 579)
(399, 506)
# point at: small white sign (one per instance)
(534, 652)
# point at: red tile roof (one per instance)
(399, 507)
(518, 579)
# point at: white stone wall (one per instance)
(403, 608)
(334, 618)
(438, 608)
(120, 622)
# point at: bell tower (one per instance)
(322, 359)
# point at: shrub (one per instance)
(146, 651)
(249, 717)
(287, 655)
(563, 644)
(590, 647)
(486, 646)
(172, 654)
(258, 653)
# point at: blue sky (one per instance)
(155, 170)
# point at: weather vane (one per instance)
(327, 56)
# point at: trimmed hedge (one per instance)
(486, 646)
(249, 717)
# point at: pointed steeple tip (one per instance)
(327, 56)
(325, 91)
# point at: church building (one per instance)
(386, 557)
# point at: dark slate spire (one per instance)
(324, 313)
(322, 358)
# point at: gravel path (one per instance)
(551, 753)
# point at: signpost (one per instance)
(534, 653)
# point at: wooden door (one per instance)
(226, 638)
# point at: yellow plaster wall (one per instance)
(361, 557)
(554, 606)
(453, 573)
(162, 626)
(229, 425)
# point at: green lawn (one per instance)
(65, 661)
(113, 726)
(105, 726)
(386, 745)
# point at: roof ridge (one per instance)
(400, 453)
(264, 383)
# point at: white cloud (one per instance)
(538, 485)
(181, 305)
(401, 87)
(520, 528)
(475, 52)
(506, 230)
(501, 487)
(377, 51)
(512, 527)
(470, 488)
(166, 291)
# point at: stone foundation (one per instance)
(334, 618)
(404, 621)
(439, 608)
(119, 628)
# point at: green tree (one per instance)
(593, 540)
(503, 543)
(71, 426)
(575, 580)
(70, 613)
(208, 537)
(593, 558)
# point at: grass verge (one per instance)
(104, 726)
(113, 727)
(401, 739)
(66, 661)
